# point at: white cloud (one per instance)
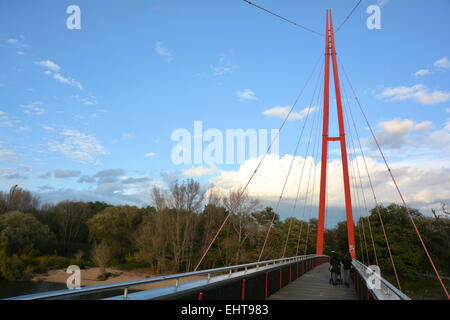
(399, 133)
(418, 93)
(63, 174)
(443, 63)
(282, 112)
(224, 66)
(32, 108)
(48, 128)
(49, 65)
(441, 138)
(18, 42)
(149, 154)
(78, 146)
(90, 99)
(394, 133)
(7, 155)
(421, 186)
(424, 125)
(246, 94)
(199, 171)
(53, 68)
(422, 72)
(67, 80)
(163, 51)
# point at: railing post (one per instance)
(267, 275)
(243, 290)
(125, 293)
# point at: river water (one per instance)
(10, 289)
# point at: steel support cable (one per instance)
(398, 189)
(352, 153)
(283, 18)
(313, 188)
(375, 200)
(303, 168)
(307, 186)
(355, 185)
(290, 168)
(359, 173)
(257, 167)
(284, 185)
(348, 16)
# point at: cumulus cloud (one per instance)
(78, 146)
(419, 93)
(282, 112)
(422, 72)
(199, 171)
(443, 63)
(246, 94)
(399, 133)
(422, 187)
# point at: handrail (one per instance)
(365, 272)
(133, 283)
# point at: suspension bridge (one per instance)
(301, 277)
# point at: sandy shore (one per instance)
(89, 277)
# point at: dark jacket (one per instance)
(347, 261)
(335, 263)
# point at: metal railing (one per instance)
(227, 273)
(385, 291)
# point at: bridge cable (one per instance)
(355, 188)
(303, 169)
(316, 151)
(359, 173)
(348, 16)
(257, 167)
(398, 189)
(290, 168)
(376, 201)
(309, 180)
(287, 20)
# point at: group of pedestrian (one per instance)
(337, 265)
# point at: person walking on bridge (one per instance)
(347, 264)
(335, 267)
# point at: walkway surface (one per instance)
(315, 285)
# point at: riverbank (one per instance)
(89, 277)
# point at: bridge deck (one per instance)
(315, 285)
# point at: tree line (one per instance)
(172, 235)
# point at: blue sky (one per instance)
(88, 114)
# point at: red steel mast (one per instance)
(330, 50)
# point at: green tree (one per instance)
(115, 227)
(22, 233)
